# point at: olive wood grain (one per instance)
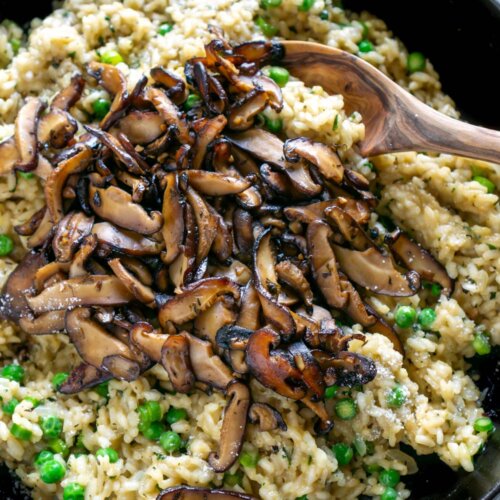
(394, 119)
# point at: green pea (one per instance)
(111, 57)
(6, 247)
(11, 372)
(426, 317)
(34, 402)
(58, 379)
(279, 75)
(192, 101)
(405, 316)
(415, 62)
(175, 414)
(481, 344)
(274, 125)
(102, 389)
(372, 468)
(331, 391)
(343, 453)
(20, 432)
(101, 107)
(303, 497)
(324, 15)
(42, 457)
(165, 28)
(365, 46)
(306, 5)
(270, 4)
(150, 411)
(108, 452)
(484, 181)
(15, 44)
(170, 441)
(233, 479)
(74, 491)
(153, 431)
(9, 407)
(346, 409)
(389, 494)
(26, 175)
(249, 458)
(396, 397)
(483, 424)
(59, 446)
(52, 471)
(267, 29)
(51, 427)
(389, 477)
(436, 290)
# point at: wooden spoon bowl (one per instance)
(394, 119)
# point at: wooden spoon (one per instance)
(394, 119)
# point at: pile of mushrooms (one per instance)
(200, 241)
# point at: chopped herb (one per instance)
(336, 122)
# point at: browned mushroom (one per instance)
(222, 246)
(26, 134)
(324, 264)
(125, 241)
(376, 272)
(211, 90)
(244, 111)
(319, 154)
(353, 369)
(176, 361)
(57, 179)
(31, 225)
(206, 131)
(307, 365)
(146, 338)
(42, 232)
(57, 127)
(173, 219)
(267, 286)
(349, 228)
(69, 233)
(141, 127)
(69, 96)
(194, 299)
(250, 308)
(273, 367)
(207, 323)
(266, 417)
(191, 493)
(233, 427)
(216, 184)
(98, 348)
(82, 291)
(243, 233)
(292, 276)
(83, 377)
(9, 155)
(176, 87)
(113, 81)
(116, 206)
(416, 258)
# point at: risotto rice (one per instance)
(431, 196)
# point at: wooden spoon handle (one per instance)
(417, 127)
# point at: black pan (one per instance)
(462, 39)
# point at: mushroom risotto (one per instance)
(206, 291)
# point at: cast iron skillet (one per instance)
(462, 39)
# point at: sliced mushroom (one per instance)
(376, 272)
(173, 219)
(69, 233)
(124, 241)
(416, 258)
(266, 417)
(307, 365)
(222, 246)
(266, 284)
(57, 127)
(113, 81)
(82, 291)
(206, 131)
(233, 427)
(26, 134)
(207, 366)
(148, 340)
(271, 88)
(141, 127)
(13, 303)
(58, 177)
(273, 367)
(243, 233)
(84, 376)
(216, 184)
(176, 361)
(250, 308)
(355, 308)
(98, 348)
(87, 247)
(70, 95)
(196, 298)
(244, 111)
(210, 88)
(9, 156)
(211, 320)
(319, 154)
(31, 225)
(292, 276)
(349, 228)
(116, 206)
(353, 369)
(42, 232)
(191, 493)
(324, 264)
(206, 222)
(381, 326)
(176, 87)
(140, 291)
